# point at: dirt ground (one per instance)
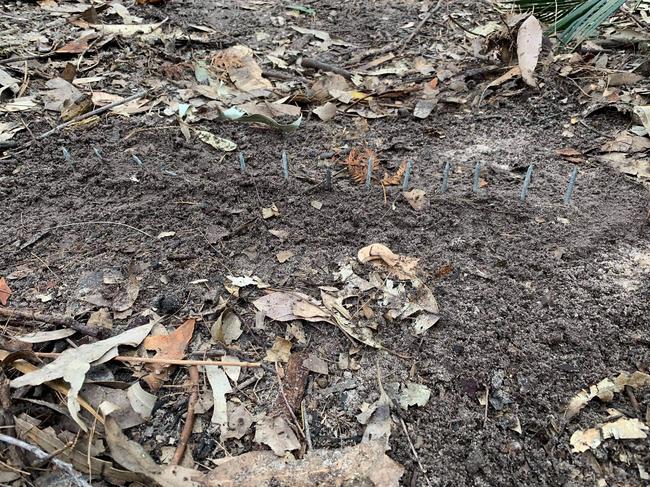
(537, 300)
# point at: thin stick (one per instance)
(286, 403)
(189, 420)
(487, 403)
(92, 113)
(419, 27)
(101, 223)
(24, 58)
(60, 320)
(414, 451)
(154, 360)
(314, 64)
(75, 476)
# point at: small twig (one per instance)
(92, 113)
(286, 402)
(419, 27)
(630, 395)
(24, 58)
(414, 451)
(60, 320)
(463, 27)
(314, 64)
(487, 403)
(305, 424)
(75, 476)
(101, 223)
(189, 420)
(154, 360)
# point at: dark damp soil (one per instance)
(542, 299)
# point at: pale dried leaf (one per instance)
(414, 395)
(46, 336)
(276, 433)
(70, 364)
(280, 351)
(220, 387)
(332, 467)
(529, 45)
(621, 429)
(416, 198)
(141, 401)
(227, 328)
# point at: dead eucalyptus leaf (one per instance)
(276, 433)
(73, 364)
(227, 328)
(529, 45)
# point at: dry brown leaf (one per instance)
(284, 256)
(243, 70)
(400, 266)
(290, 306)
(396, 178)
(416, 198)
(170, 346)
(5, 291)
(280, 351)
(357, 162)
(227, 328)
(49, 443)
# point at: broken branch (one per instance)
(75, 476)
(168, 361)
(60, 320)
(189, 420)
(314, 64)
(92, 113)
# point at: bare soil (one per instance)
(543, 299)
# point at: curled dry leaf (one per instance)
(288, 306)
(242, 69)
(377, 421)
(606, 389)
(239, 422)
(141, 401)
(315, 364)
(400, 266)
(284, 256)
(46, 336)
(227, 328)
(270, 212)
(396, 178)
(326, 112)
(621, 429)
(218, 143)
(170, 346)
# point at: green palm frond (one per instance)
(575, 20)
